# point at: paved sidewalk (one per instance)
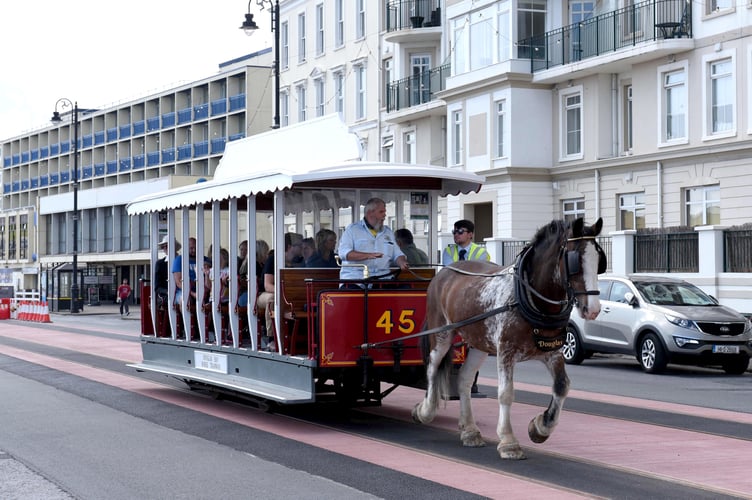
(113, 309)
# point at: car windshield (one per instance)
(674, 294)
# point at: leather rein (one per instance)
(523, 290)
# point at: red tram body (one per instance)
(331, 342)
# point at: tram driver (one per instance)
(368, 242)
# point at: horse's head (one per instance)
(584, 260)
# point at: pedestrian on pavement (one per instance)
(124, 293)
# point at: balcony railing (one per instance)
(416, 89)
(625, 27)
(404, 14)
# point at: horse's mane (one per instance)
(552, 231)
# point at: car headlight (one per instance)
(681, 322)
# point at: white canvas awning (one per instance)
(312, 152)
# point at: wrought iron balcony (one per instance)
(416, 89)
(629, 26)
(404, 14)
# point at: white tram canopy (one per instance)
(316, 153)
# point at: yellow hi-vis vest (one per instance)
(474, 252)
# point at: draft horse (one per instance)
(517, 312)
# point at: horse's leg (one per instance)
(425, 411)
(469, 431)
(541, 427)
(509, 447)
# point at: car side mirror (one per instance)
(631, 299)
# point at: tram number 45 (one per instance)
(402, 320)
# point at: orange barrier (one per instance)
(30, 310)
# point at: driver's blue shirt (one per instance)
(358, 236)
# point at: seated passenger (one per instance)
(162, 271)
(265, 300)
(326, 240)
(307, 249)
(177, 272)
(415, 256)
(262, 253)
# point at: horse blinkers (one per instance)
(572, 261)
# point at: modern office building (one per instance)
(159, 141)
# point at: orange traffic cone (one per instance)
(23, 311)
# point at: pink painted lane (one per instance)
(691, 458)
(489, 483)
(695, 411)
(121, 350)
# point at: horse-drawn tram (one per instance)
(328, 336)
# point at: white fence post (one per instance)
(622, 251)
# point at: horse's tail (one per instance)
(443, 375)
(427, 343)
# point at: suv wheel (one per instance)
(736, 365)
(572, 348)
(651, 355)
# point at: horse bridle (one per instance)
(572, 263)
(524, 290)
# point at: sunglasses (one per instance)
(461, 230)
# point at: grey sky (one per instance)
(100, 52)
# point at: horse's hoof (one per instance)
(535, 435)
(418, 418)
(472, 439)
(511, 451)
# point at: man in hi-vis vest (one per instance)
(463, 247)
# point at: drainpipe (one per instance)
(597, 180)
(659, 189)
(614, 115)
(378, 109)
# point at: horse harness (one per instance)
(523, 299)
(551, 321)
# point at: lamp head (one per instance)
(62, 103)
(249, 25)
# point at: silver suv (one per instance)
(661, 320)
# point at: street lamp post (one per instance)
(250, 26)
(66, 103)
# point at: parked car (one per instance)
(660, 321)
